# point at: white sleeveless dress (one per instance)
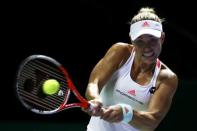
(122, 89)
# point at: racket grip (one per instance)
(91, 107)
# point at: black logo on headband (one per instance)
(152, 90)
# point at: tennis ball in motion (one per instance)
(51, 86)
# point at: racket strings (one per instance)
(46, 100)
(28, 97)
(32, 77)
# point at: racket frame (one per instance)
(71, 88)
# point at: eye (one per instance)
(153, 40)
(139, 43)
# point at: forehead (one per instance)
(146, 37)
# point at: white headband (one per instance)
(145, 27)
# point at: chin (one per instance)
(150, 60)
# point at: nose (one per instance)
(147, 49)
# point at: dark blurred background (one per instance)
(78, 34)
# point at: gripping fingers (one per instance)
(94, 109)
(112, 114)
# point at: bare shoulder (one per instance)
(168, 78)
(121, 52)
(122, 47)
(167, 73)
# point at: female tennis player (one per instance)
(131, 89)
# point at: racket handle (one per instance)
(91, 107)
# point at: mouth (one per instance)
(148, 54)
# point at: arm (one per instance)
(112, 60)
(103, 70)
(157, 109)
(158, 106)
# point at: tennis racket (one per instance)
(36, 69)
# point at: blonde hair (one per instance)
(146, 13)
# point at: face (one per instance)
(148, 47)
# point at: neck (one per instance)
(142, 67)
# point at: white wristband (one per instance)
(127, 111)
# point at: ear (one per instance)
(162, 37)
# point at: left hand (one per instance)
(96, 106)
(112, 114)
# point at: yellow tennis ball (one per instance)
(51, 86)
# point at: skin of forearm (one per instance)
(92, 92)
(145, 120)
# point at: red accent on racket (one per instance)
(32, 73)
